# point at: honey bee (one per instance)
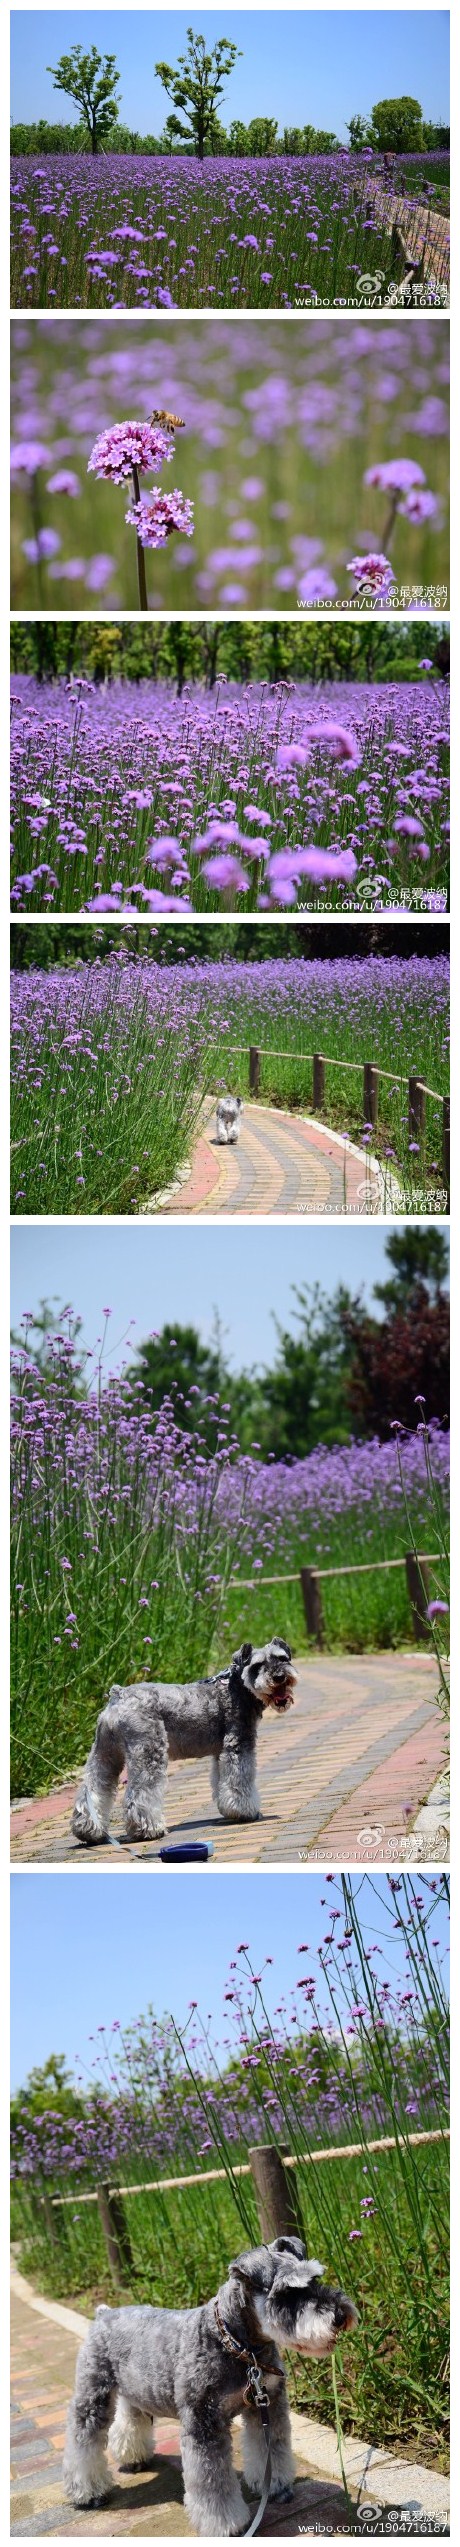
(169, 422)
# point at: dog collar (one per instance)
(255, 2389)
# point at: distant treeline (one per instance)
(242, 650)
(259, 139)
(49, 943)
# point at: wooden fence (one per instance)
(417, 1089)
(310, 1578)
(270, 2168)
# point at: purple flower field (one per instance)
(150, 233)
(357, 2049)
(306, 452)
(93, 1045)
(127, 1535)
(239, 798)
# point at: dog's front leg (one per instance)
(213, 2497)
(255, 2450)
(235, 1787)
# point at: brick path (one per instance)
(364, 1739)
(420, 226)
(43, 2357)
(281, 1163)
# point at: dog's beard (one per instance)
(318, 2336)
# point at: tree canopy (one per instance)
(396, 124)
(91, 80)
(196, 87)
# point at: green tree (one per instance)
(238, 139)
(91, 79)
(302, 1400)
(177, 1364)
(436, 136)
(396, 124)
(359, 131)
(47, 2089)
(417, 1256)
(195, 88)
(262, 136)
(324, 143)
(293, 141)
(179, 652)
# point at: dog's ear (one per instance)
(288, 2246)
(256, 2268)
(244, 1656)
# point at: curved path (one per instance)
(341, 1776)
(282, 1163)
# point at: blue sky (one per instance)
(92, 1947)
(305, 66)
(151, 1276)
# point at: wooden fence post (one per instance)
(417, 1109)
(49, 2214)
(115, 2234)
(319, 1079)
(370, 1094)
(254, 1070)
(311, 1596)
(276, 2194)
(446, 1142)
(418, 1585)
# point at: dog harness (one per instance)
(256, 2395)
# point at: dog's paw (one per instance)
(237, 1813)
(281, 2493)
(88, 1828)
(143, 1830)
(85, 2499)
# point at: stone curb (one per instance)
(69, 2318)
(433, 1820)
(373, 2474)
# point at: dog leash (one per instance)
(192, 1852)
(256, 2395)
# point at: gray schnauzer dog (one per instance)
(145, 1725)
(196, 2363)
(228, 1118)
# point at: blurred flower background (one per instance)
(290, 433)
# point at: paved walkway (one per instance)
(282, 1163)
(43, 2357)
(342, 1775)
(421, 227)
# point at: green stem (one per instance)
(389, 525)
(141, 576)
(37, 526)
(348, 2499)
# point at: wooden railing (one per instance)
(310, 1577)
(269, 2167)
(417, 1089)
